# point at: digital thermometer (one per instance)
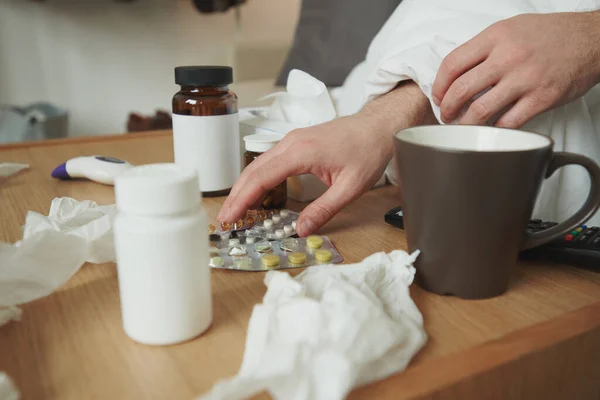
(99, 169)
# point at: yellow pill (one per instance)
(270, 260)
(297, 258)
(314, 242)
(211, 229)
(323, 255)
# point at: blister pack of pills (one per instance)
(251, 253)
(270, 224)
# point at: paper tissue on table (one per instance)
(306, 102)
(53, 248)
(8, 169)
(329, 330)
(8, 391)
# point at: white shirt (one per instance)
(412, 45)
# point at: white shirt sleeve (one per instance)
(420, 33)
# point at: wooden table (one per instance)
(539, 340)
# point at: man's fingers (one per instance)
(521, 113)
(262, 159)
(459, 61)
(466, 87)
(325, 207)
(491, 103)
(256, 181)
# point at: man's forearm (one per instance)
(403, 107)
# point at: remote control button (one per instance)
(575, 233)
(569, 238)
(582, 239)
(589, 232)
(535, 221)
(595, 228)
(596, 242)
(579, 229)
(547, 225)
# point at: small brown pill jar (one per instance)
(206, 133)
(255, 146)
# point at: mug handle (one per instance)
(591, 205)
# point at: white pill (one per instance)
(279, 233)
(294, 224)
(234, 242)
(284, 213)
(225, 236)
(276, 219)
(250, 239)
(288, 229)
(268, 223)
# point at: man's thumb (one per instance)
(320, 211)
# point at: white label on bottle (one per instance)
(210, 145)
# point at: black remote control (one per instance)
(580, 247)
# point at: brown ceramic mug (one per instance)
(468, 195)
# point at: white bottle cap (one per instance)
(157, 189)
(268, 223)
(260, 143)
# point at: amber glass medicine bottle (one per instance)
(206, 127)
(255, 146)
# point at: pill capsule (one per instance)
(314, 242)
(262, 215)
(250, 239)
(211, 229)
(225, 226)
(323, 255)
(297, 258)
(284, 213)
(270, 260)
(276, 219)
(239, 224)
(249, 222)
(279, 233)
(288, 229)
(268, 224)
(242, 262)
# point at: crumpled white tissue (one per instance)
(329, 330)
(53, 248)
(305, 102)
(8, 169)
(8, 391)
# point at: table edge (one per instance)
(437, 374)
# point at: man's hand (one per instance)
(348, 154)
(531, 62)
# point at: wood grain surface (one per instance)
(541, 339)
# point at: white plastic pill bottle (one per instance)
(161, 245)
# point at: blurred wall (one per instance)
(101, 59)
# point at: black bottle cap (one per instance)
(203, 75)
